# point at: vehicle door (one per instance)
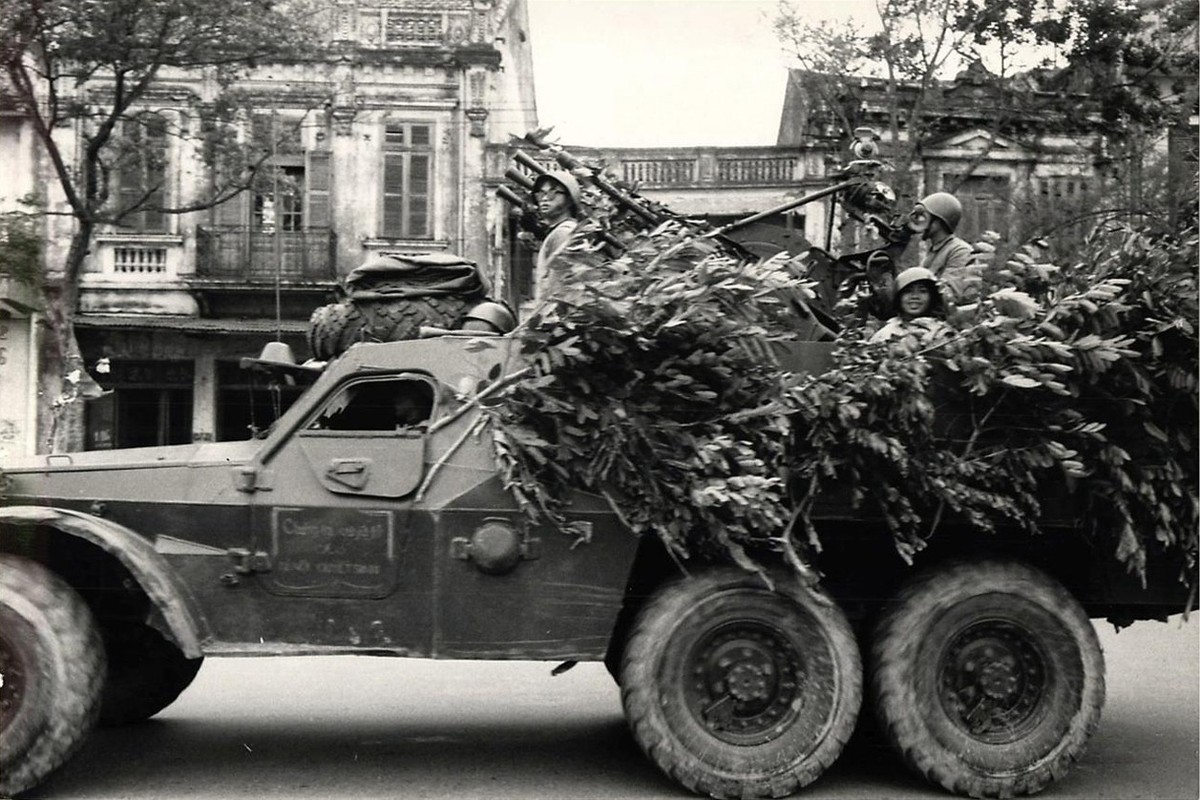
(340, 550)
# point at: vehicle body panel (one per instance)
(312, 540)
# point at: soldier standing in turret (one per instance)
(946, 251)
(558, 202)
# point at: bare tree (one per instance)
(100, 81)
(912, 46)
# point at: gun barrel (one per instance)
(788, 206)
(520, 178)
(507, 194)
(529, 162)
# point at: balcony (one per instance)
(695, 167)
(136, 258)
(243, 255)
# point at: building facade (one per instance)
(1016, 155)
(377, 145)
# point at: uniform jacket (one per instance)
(951, 253)
(554, 243)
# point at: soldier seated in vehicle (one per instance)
(413, 405)
(917, 296)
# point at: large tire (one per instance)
(146, 673)
(333, 328)
(52, 665)
(737, 691)
(987, 677)
(398, 319)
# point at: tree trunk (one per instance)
(60, 407)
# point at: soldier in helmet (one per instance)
(916, 296)
(489, 317)
(941, 212)
(558, 203)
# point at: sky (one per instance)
(665, 73)
(647, 73)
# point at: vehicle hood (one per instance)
(176, 472)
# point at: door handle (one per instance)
(350, 472)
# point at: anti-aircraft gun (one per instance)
(862, 196)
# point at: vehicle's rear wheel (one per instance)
(52, 667)
(735, 690)
(987, 677)
(145, 674)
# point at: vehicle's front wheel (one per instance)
(52, 669)
(987, 677)
(145, 674)
(735, 690)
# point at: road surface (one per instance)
(359, 727)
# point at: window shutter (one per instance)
(418, 207)
(393, 195)
(317, 179)
(153, 218)
(233, 213)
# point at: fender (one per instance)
(153, 574)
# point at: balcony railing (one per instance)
(254, 256)
(693, 167)
(136, 257)
(756, 170)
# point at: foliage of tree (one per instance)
(98, 82)
(1135, 62)
(20, 248)
(653, 380)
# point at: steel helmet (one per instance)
(565, 180)
(489, 315)
(943, 206)
(915, 275)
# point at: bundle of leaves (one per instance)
(652, 381)
(1054, 396)
(1051, 396)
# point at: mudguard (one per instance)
(168, 594)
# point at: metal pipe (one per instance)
(788, 206)
(520, 178)
(508, 195)
(529, 162)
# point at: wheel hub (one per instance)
(746, 682)
(749, 681)
(992, 681)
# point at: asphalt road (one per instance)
(356, 727)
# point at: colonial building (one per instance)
(1032, 156)
(378, 146)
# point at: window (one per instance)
(401, 404)
(150, 404)
(141, 173)
(281, 202)
(407, 174)
(291, 191)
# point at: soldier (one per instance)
(946, 251)
(558, 202)
(916, 296)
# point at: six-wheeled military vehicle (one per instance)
(372, 518)
(369, 520)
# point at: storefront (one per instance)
(176, 381)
